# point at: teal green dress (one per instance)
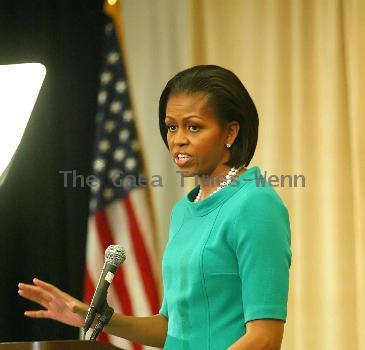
(226, 263)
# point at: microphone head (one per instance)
(115, 255)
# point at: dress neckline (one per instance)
(208, 204)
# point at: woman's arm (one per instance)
(150, 330)
(265, 334)
(64, 308)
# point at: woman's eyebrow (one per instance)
(185, 118)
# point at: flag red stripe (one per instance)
(103, 229)
(88, 287)
(142, 257)
(104, 337)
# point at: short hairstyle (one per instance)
(229, 100)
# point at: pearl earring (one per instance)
(228, 145)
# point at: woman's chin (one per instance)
(186, 172)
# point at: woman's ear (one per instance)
(232, 131)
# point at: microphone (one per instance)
(114, 257)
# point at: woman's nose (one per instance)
(180, 138)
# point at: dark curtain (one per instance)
(43, 225)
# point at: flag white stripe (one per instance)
(94, 254)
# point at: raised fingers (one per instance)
(50, 288)
(37, 314)
(35, 294)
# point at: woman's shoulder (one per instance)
(257, 189)
(259, 215)
(178, 206)
(254, 198)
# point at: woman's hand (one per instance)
(62, 307)
(58, 305)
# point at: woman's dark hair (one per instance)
(228, 98)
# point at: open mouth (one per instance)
(182, 159)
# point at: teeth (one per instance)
(182, 156)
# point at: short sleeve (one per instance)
(264, 256)
(163, 310)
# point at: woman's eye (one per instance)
(194, 128)
(171, 127)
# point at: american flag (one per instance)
(119, 206)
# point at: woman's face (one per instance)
(195, 137)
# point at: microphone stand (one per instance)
(103, 319)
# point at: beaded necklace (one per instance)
(228, 179)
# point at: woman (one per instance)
(226, 265)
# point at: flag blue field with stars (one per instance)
(116, 149)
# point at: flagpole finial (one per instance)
(112, 2)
